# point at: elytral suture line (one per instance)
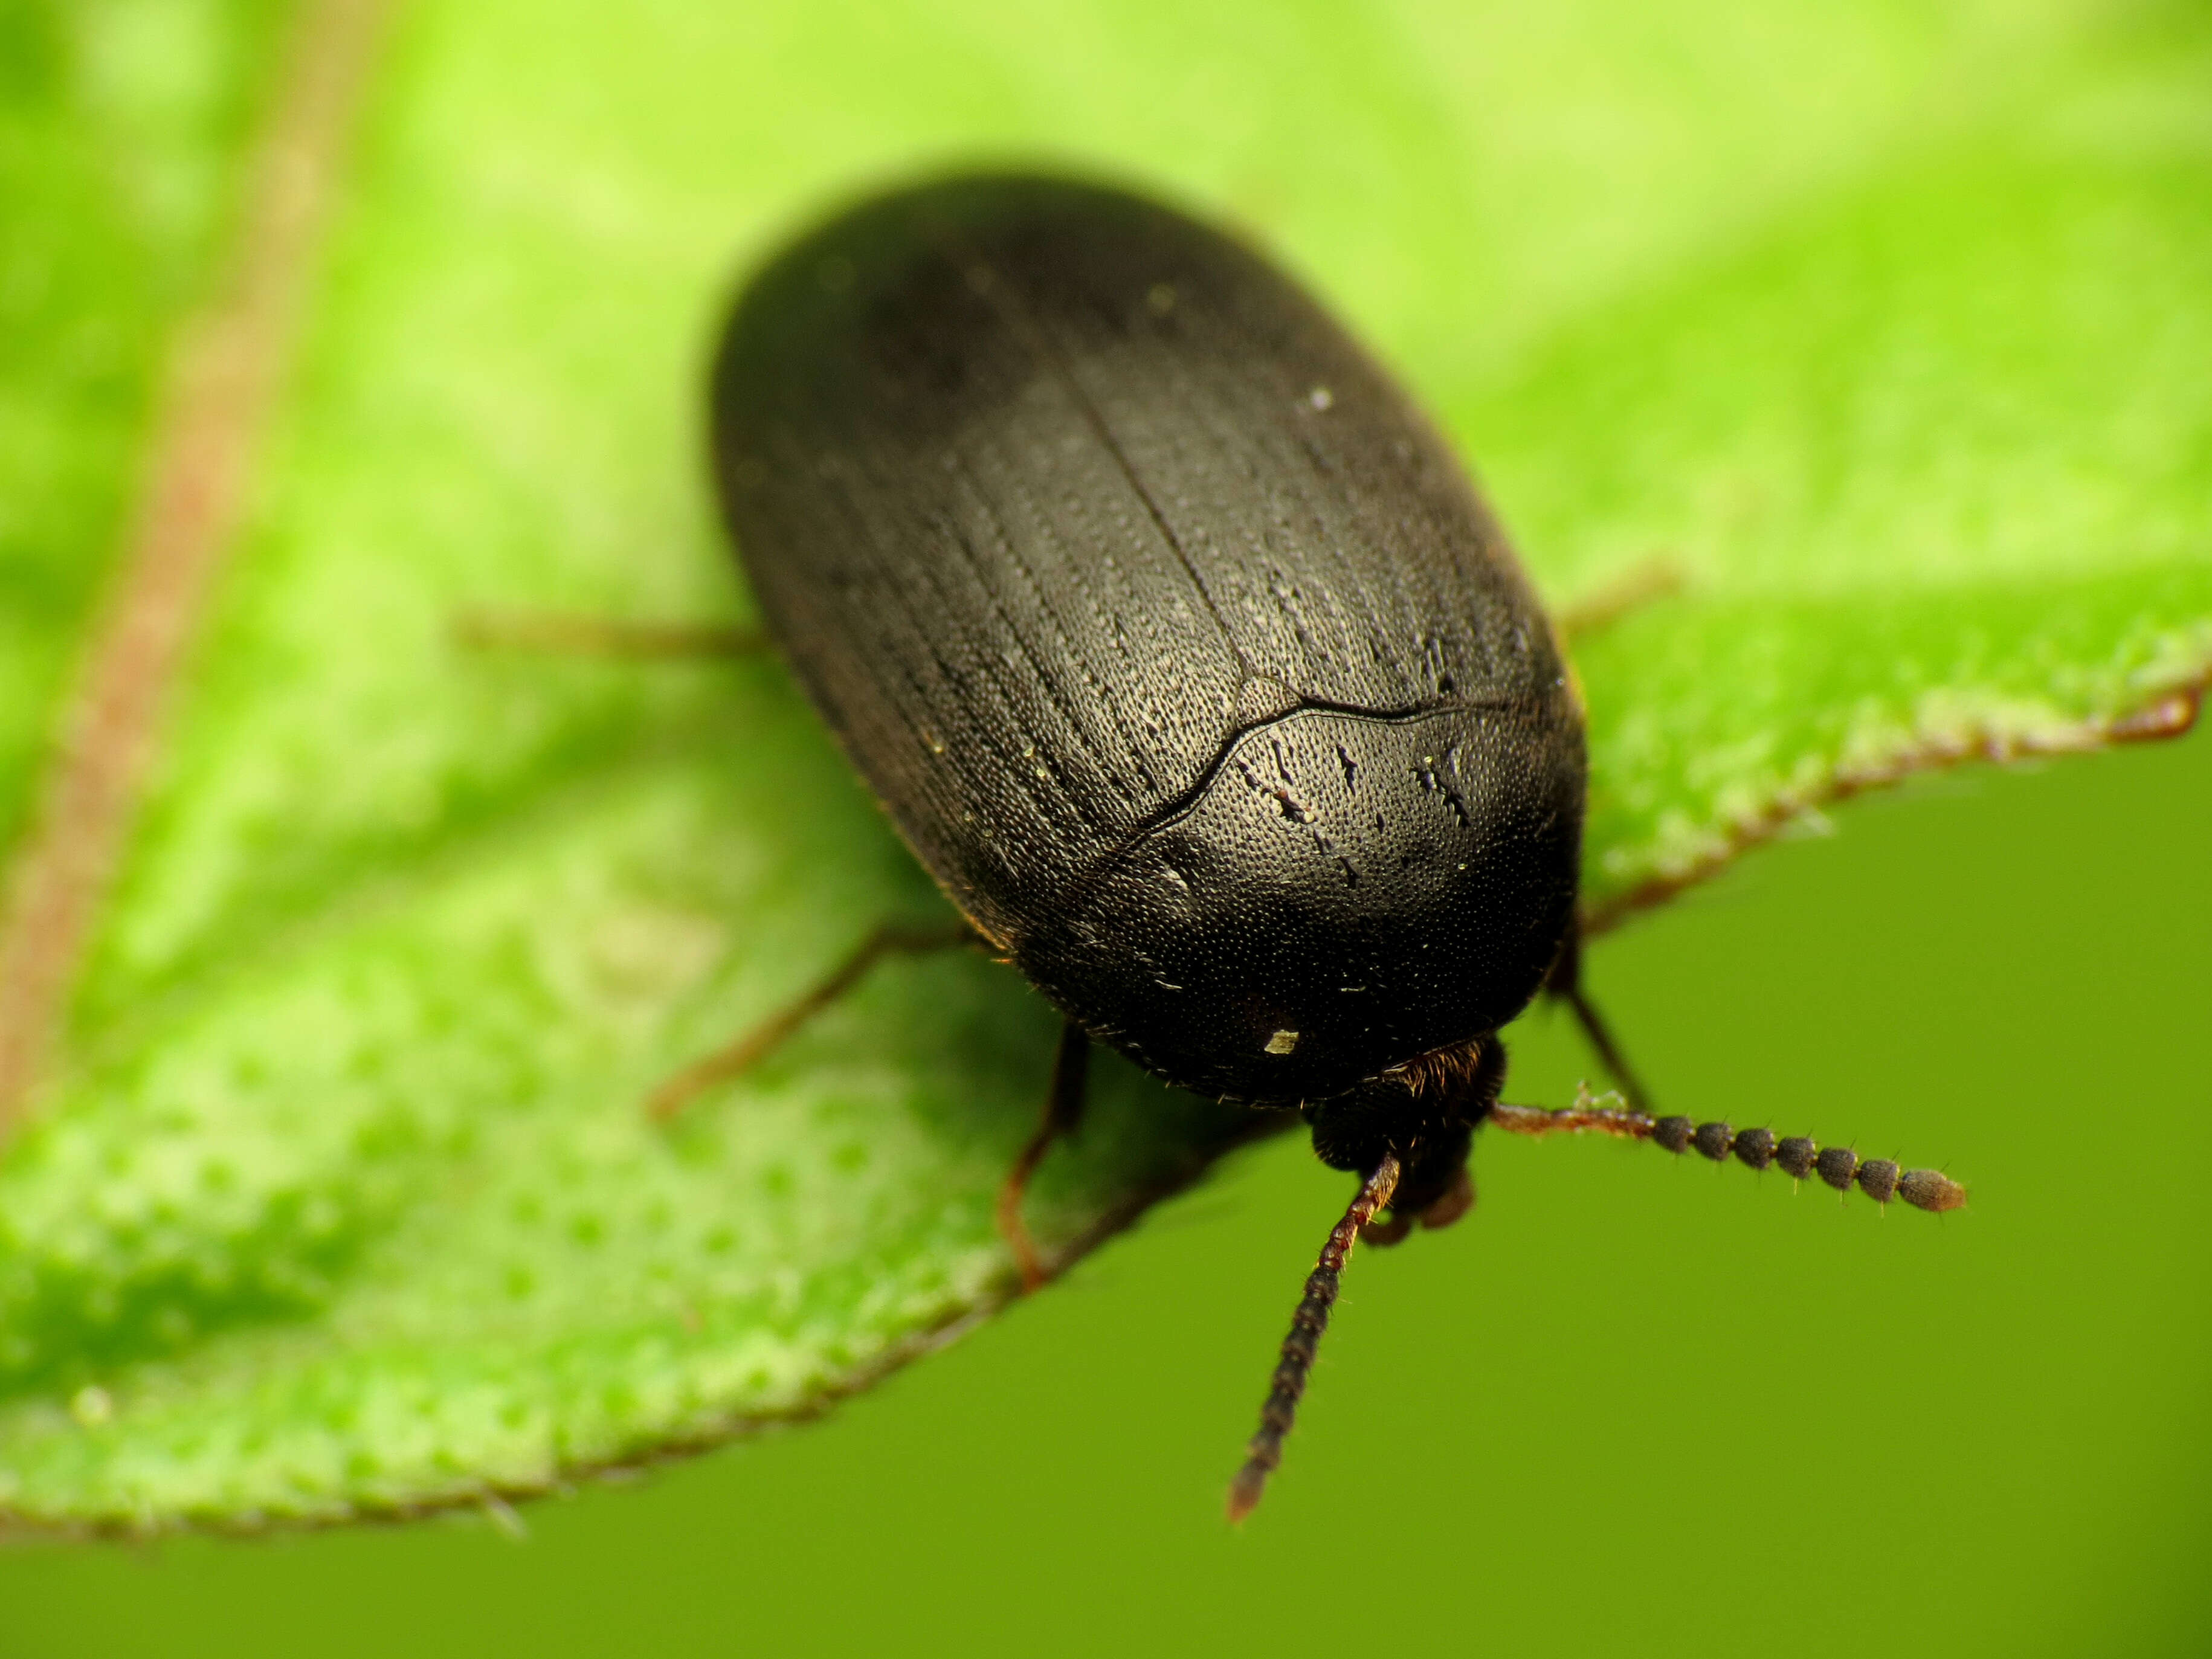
(225, 373)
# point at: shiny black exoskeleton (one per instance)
(1174, 642)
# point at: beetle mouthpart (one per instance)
(1457, 1200)
(1799, 1156)
(1384, 1234)
(1281, 1408)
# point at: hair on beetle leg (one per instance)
(1448, 1071)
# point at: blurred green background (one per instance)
(1629, 1406)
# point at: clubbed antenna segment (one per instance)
(1307, 1324)
(1880, 1178)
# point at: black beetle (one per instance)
(1181, 651)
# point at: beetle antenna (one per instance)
(1311, 1319)
(1881, 1179)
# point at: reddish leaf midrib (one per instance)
(225, 375)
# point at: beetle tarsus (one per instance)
(1881, 1179)
(1063, 1116)
(1015, 1231)
(1281, 1408)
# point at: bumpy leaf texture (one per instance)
(335, 993)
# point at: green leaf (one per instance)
(1933, 460)
(337, 1197)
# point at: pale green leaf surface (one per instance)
(342, 1201)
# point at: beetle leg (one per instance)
(703, 1074)
(1565, 982)
(1600, 1038)
(571, 634)
(1063, 1116)
(1597, 609)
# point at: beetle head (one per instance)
(1423, 1114)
